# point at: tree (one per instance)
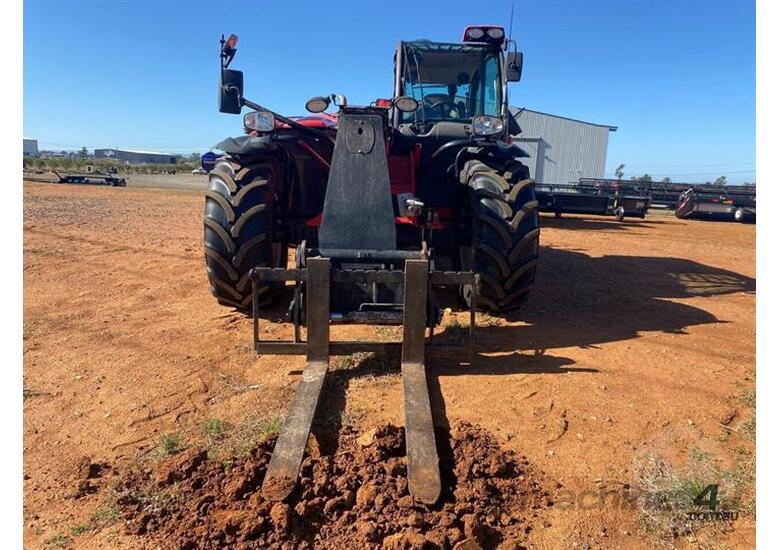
(647, 178)
(720, 181)
(667, 179)
(619, 171)
(83, 153)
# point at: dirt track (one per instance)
(639, 338)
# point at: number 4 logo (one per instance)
(708, 497)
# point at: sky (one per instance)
(677, 77)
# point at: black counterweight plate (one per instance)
(358, 210)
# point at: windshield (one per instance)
(451, 81)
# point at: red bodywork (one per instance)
(402, 170)
(317, 120)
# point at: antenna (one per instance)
(511, 20)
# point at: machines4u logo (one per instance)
(708, 498)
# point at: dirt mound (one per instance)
(356, 498)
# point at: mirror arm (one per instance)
(291, 123)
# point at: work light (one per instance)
(474, 33)
(317, 104)
(483, 33)
(496, 33)
(485, 125)
(260, 121)
(406, 104)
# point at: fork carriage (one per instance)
(322, 276)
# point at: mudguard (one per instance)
(501, 149)
(243, 145)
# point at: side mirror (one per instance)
(231, 91)
(514, 66)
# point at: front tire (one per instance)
(505, 222)
(237, 225)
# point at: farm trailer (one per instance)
(725, 203)
(595, 199)
(91, 178)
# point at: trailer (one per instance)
(715, 202)
(663, 195)
(91, 178)
(593, 198)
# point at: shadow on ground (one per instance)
(578, 301)
(605, 223)
(583, 301)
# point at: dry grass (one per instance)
(243, 437)
(666, 497)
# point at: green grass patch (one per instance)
(215, 428)
(168, 444)
(57, 541)
(77, 530)
(105, 514)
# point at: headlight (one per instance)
(485, 125)
(260, 121)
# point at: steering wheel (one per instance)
(439, 102)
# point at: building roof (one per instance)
(137, 151)
(515, 111)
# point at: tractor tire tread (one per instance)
(237, 224)
(506, 252)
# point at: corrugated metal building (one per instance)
(562, 150)
(136, 157)
(29, 146)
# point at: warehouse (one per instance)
(30, 146)
(562, 150)
(137, 157)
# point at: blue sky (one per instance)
(676, 76)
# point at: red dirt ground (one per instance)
(638, 340)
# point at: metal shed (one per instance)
(562, 150)
(137, 157)
(30, 146)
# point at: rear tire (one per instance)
(506, 243)
(237, 237)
